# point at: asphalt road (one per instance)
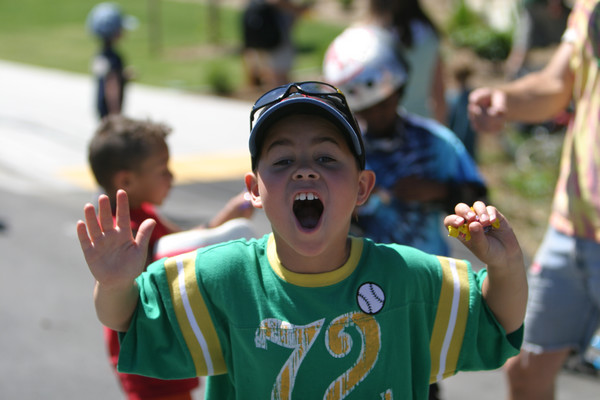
(51, 345)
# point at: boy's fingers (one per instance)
(105, 213)
(454, 220)
(493, 215)
(473, 221)
(122, 212)
(142, 238)
(464, 211)
(82, 235)
(479, 207)
(481, 211)
(91, 220)
(478, 244)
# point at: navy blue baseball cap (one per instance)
(315, 98)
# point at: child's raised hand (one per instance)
(113, 255)
(491, 240)
(238, 206)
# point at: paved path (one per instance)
(48, 116)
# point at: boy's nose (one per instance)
(305, 173)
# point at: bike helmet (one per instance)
(366, 64)
(106, 20)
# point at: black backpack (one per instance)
(261, 26)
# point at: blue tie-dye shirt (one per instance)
(419, 148)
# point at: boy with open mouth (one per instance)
(308, 311)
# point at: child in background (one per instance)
(106, 21)
(307, 311)
(133, 155)
(422, 168)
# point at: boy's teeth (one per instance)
(306, 196)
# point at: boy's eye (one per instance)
(283, 162)
(325, 159)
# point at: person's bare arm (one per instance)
(505, 289)
(115, 258)
(535, 97)
(541, 95)
(237, 207)
(115, 305)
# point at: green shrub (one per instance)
(468, 29)
(219, 79)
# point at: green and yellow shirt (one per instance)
(384, 325)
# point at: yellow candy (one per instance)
(464, 230)
(461, 230)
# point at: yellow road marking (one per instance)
(187, 169)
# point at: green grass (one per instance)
(53, 34)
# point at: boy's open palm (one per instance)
(113, 255)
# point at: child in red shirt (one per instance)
(133, 155)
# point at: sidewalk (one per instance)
(47, 118)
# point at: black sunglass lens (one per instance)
(316, 88)
(270, 97)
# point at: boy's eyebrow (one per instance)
(325, 139)
(317, 140)
(279, 142)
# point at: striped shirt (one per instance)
(576, 205)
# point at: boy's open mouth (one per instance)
(308, 209)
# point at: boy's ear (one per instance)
(366, 183)
(252, 186)
(122, 180)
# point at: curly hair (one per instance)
(122, 144)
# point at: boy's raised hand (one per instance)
(113, 255)
(505, 289)
(496, 247)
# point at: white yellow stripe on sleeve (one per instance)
(450, 320)
(193, 316)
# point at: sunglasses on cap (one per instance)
(316, 89)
